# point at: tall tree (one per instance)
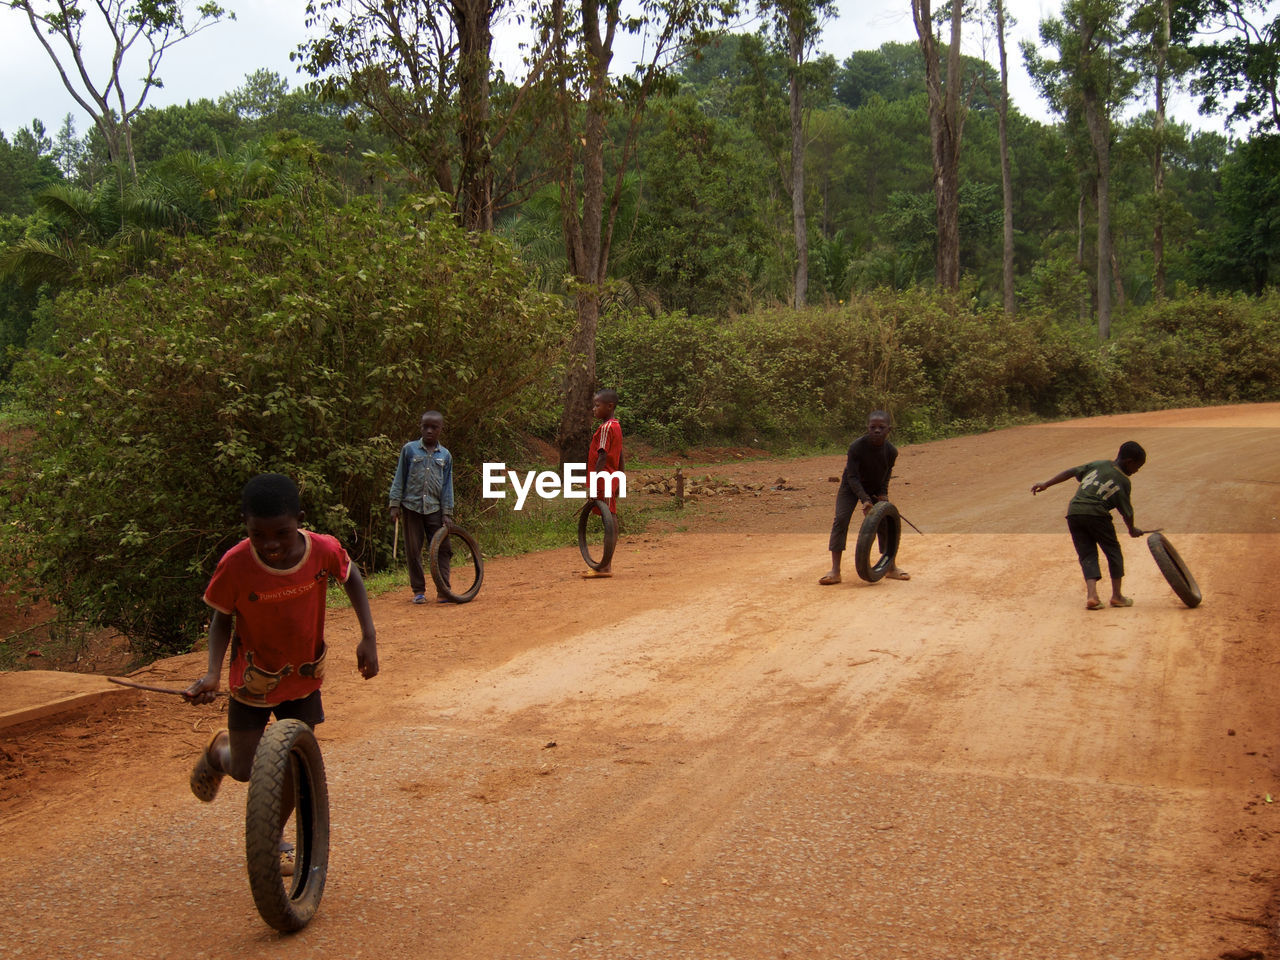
(799, 24)
(946, 128)
(423, 70)
(26, 168)
(1242, 250)
(1161, 37)
(892, 72)
(580, 37)
(1162, 42)
(1091, 79)
(1006, 175)
(1239, 70)
(68, 148)
(134, 27)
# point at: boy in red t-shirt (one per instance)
(271, 588)
(604, 455)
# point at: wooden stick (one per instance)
(911, 525)
(148, 687)
(395, 544)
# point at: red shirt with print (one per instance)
(608, 437)
(277, 649)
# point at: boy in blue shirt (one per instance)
(1104, 486)
(422, 496)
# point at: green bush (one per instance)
(938, 364)
(301, 339)
(1201, 349)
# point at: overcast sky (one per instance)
(265, 31)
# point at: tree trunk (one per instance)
(580, 382)
(473, 19)
(1100, 135)
(1084, 306)
(795, 50)
(1006, 175)
(585, 243)
(945, 125)
(1162, 71)
(1117, 278)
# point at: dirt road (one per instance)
(711, 756)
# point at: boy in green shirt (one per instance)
(1104, 486)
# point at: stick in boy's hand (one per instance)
(148, 687)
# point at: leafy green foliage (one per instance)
(701, 237)
(25, 169)
(140, 32)
(1243, 252)
(1237, 67)
(939, 366)
(1201, 349)
(301, 338)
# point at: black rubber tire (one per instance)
(288, 749)
(883, 514)
(1174, 570)
(477, 562)
(610, 533)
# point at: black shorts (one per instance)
(1089, 533)
(241, 716)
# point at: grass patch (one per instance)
(60, 643)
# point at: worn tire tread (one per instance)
(610, 533)
(287, 904)
(477, 561)
(1174, 570)
(882, 513)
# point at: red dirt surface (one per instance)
(712, 756)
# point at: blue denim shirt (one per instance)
(424, 479)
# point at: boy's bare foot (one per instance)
(829, 579)
(205, 777)
(1122, 601)
(596, 574)
(896, 574)
(1094, 604)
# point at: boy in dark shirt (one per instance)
(865, 480)
(1104, 486)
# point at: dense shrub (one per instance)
(305, 340)
(784, 375)
(939, 366)
(1201, 349)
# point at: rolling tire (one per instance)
(883, 514)
(287, 752)
(1174, 570)
(451, 529)
(610, 533)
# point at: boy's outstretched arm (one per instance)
(203, 690)
(367, 649)
(1052, 481)
(1128, 522)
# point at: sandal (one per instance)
(287, 858)
(205, 777)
